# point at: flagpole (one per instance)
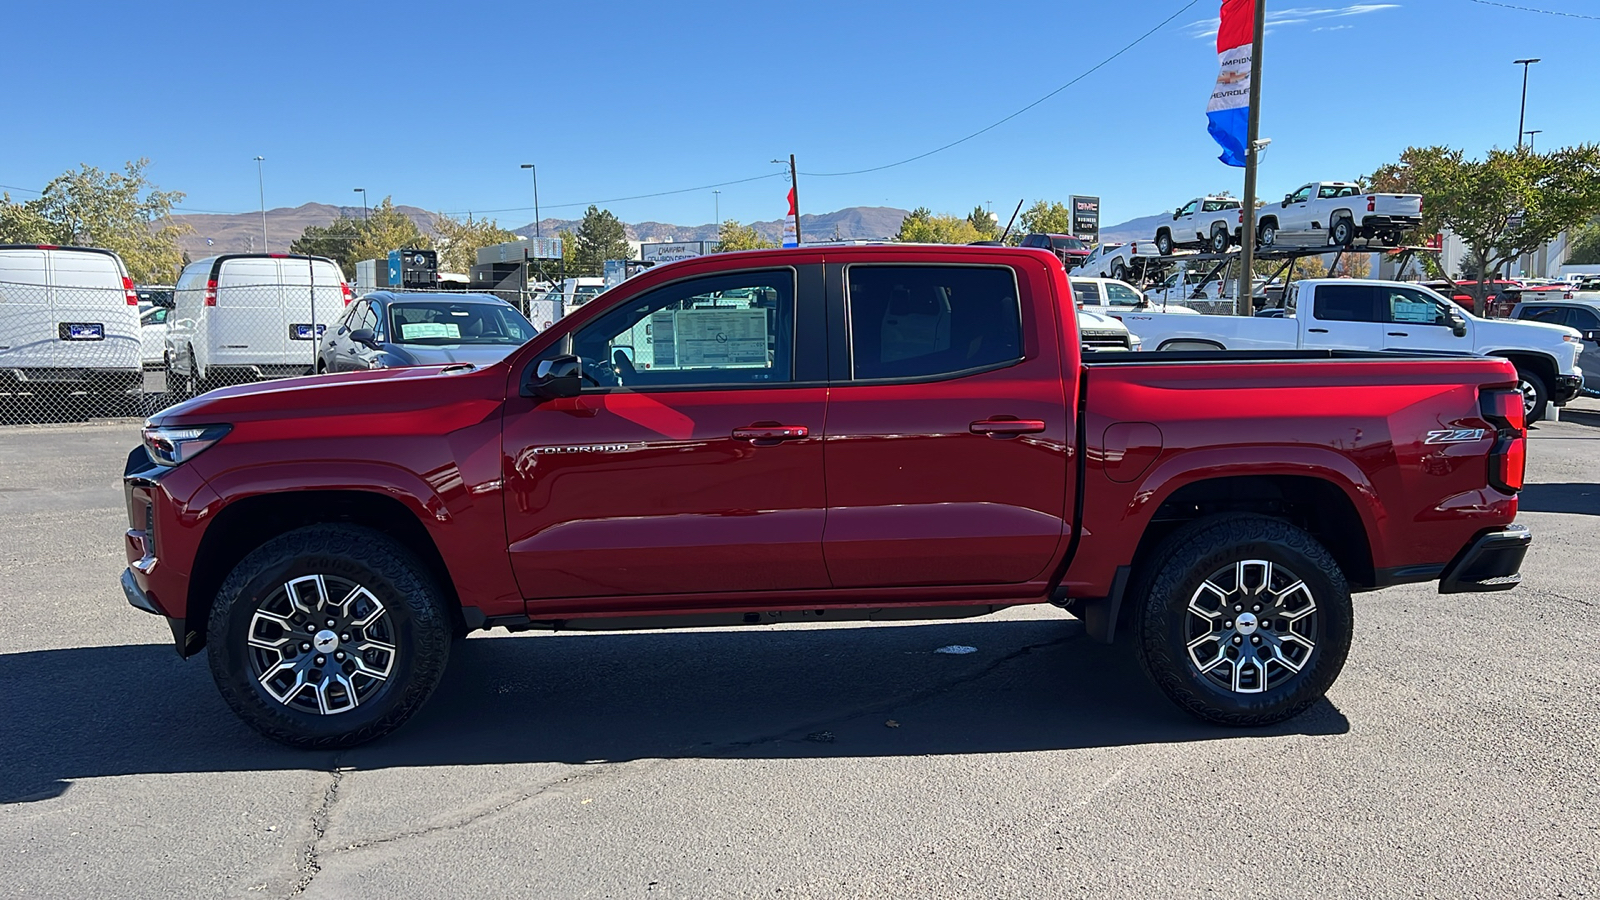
(794, 188)
(1247, 231)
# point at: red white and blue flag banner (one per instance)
(1229, 109)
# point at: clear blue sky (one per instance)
(437, 104)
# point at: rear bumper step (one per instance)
(1492, 562)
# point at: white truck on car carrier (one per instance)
(1124, 262)
(1351, 314)
(1337, 213)
(1204, 222)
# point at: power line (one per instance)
(704, 187)
(1085, 74)
(1547, 12)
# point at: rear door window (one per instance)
(1554, 315)
(928, 322)
(1347, 303)
(1583, 319)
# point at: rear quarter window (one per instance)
(929, 322)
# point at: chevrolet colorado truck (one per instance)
(817, 435)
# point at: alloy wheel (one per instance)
(1530, 398)
(1251, 626)
(321, 644)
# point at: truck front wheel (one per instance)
(1245, 620)
(1535, 396)
(1164, 244)
(328, 636)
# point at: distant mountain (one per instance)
(1140, 229)
(241, 232)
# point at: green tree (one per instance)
(385, 229)
(458, 242)
(923, 227)
(1502, 206)
(733, 236)
(600, 236)
(1047, 217)
(120, 211)
(984, 223)
(1585, 247)
(336, 240)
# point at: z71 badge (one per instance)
(1455, 436)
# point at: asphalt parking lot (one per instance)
(1458, 755)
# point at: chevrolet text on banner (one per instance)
(1229, 109)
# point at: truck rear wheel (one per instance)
(1343, 233)
(1220, 240)
(1118, 270)
(1246, 620)
(328, 636)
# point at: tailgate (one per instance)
(1395, 204)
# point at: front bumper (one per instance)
(141, 601)
(1492, 562)
(1566, 388)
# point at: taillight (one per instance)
(211, 292)
(348, 294)
(128, 291)
(1372, 204)
(1508, 458)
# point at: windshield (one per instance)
(1067, 243)
(442, 322)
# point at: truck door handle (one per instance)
(770, 433)
(1399, 334)
(1004, 428)
(1317, 330)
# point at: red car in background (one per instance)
(1498, 302)
(1070, 250)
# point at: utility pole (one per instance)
(261, 187)
(1523, 112)
(1530, 133)
(1247, 231)
(537, 234)
(716, 201)
(794, 188)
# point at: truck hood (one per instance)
(1093, 321)
(1499, 335)
(399, 390)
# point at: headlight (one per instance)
(173, 445)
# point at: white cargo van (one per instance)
(250, 316)
(69, 322)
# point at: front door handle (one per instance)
(1399, 334)
(1003, 428)
(1317, 330)
(770, 433)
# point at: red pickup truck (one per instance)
(817, 435)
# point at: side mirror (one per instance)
(1458, 326)
(1592, 336)
(366, 337)
(555, 378)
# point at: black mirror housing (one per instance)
(554, 378)
(366, 337)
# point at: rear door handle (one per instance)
(771, 433)
(1317, 330)
(1399, 334)
(1006, 427)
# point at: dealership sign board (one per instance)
(1086, 219)
(673, 251)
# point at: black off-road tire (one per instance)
(1535, 394)
(422, 631)
(1191, 555)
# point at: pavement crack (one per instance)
(308, 862)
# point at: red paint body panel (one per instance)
(898, 494)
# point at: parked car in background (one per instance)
(1208, 222)
(1577, 314)
(1500, 295)
(1098, 333)
(1070, 250)
(1113, 297)
(69, 323)
(384, 330)
(153, 337)
(153, 295)
(246, 317)
(573, 293)
(1346, 313)
(1338, 212)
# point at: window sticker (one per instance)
(414, 331)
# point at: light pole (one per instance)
(716, 207)
(535, 170)
(261, 187)
(1530, 133)
(363, 193)
(1521, 114)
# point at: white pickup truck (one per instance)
(1208, 222)
(1118, 260)
(1347, 314)
(1338, 212)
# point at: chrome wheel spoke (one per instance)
(1251, 626)
(321, 644)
